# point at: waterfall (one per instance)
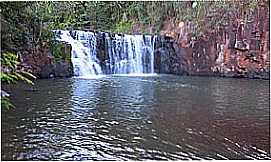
(115, 54)
(130, 54)
(83, 52)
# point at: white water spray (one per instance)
(128, 54)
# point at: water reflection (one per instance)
(114, 123)
(159, 117)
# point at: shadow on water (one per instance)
(160, 117)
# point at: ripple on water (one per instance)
(139, 118)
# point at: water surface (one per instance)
(162, 117)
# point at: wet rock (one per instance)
(63, 69)
(46, 71)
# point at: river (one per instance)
(160, 117)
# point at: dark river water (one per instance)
(162, 117)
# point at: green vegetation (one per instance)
(28, 21)
(59, 51)
(123, 27)
(10, 74)
(27, 25)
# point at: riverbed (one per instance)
(159, 117)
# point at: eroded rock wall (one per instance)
(41, 62)
(240, 49)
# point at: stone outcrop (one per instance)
(169, 57)
(240, 49)
(42, 63)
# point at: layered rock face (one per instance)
(241, 49)
(41, 62)
(169, 57)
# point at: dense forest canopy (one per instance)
(25, 23)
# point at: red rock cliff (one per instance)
(239, 49)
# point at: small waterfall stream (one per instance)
(84, 60)
(121, 54)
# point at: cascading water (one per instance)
(130, 54)
(91, 63)
(122, 54)
(83, 55)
